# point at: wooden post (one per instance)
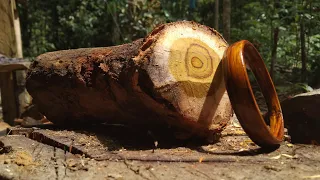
(11, 88)
(9, 103)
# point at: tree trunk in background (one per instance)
(216, 15)
(275, 39)
(303, 52)
(274, 51)
(192, 7)
(226, 19)
(115, 30)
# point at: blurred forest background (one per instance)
(286, 32)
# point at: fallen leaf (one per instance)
(287, 156)
(290, 145)
(201, 159)
(239, 132)
(276, 157)
(312, 177)
(242, 149)
(212, 149)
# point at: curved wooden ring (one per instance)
(235, 59)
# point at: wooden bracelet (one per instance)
(236, 58)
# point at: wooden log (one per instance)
(302, 117)
(173, 75)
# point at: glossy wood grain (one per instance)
(236, 58)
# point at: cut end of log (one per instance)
(182, 61)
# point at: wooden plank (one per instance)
(23, 158)
(8, 98)
(9, 65)
(14, 66)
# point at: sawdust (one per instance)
(21, 158)
(77, 164)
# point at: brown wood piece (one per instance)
(13, 93)
(302, 117)
(105, 147)
(47, 161)
(13, 66)
(8, 99)
(172, 76)
(237, 56)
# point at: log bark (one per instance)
(302, 117)
(172, 76)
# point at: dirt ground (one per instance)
(119, 152)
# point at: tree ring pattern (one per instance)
(198, 62)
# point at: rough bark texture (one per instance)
(137, 83)
(85, 84)
(302, 117)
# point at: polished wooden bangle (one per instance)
(236, 58)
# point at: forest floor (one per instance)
(120, 152)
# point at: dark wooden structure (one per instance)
(12, 87)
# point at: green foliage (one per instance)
(254, 20)
(290, 90)
(136, 19)
(56, 24)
